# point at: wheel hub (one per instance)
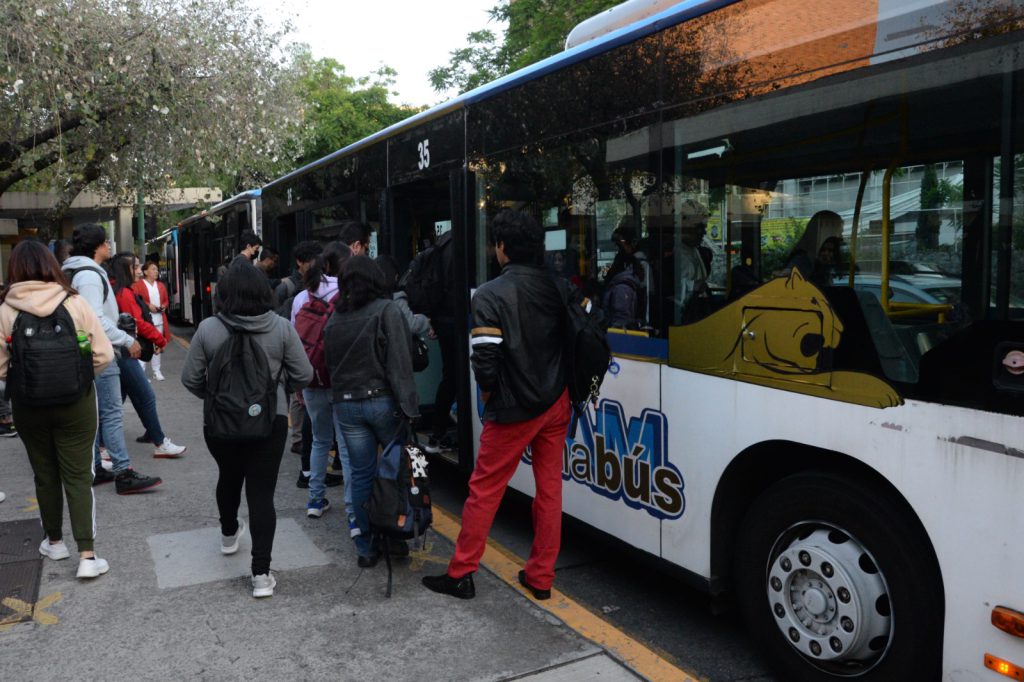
(828, 597)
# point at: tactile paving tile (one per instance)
(19, 540)
(193, 557)
(19, 586)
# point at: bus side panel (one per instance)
(609, 470)
(955, 467)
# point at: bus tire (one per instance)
(835, 579)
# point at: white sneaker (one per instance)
(2, 497)
(92, 568)
(56, 552)
(263, 585)
(229, 543)
(158, 376)
(168, 450)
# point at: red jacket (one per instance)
(126, 303)
(140, 288)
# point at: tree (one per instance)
(536, 29)
(340, 109)
(128, 95)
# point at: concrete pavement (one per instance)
(172, 607)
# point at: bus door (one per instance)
(419, 214)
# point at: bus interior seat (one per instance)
(895, 356)
(869, 342)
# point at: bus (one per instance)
(193, 251)
(781, 425)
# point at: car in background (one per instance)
(920, 288)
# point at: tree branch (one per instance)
(43, 162)
(90, 174)
(11, 152)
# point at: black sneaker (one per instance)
(297, 448)
(303, 481)
(370, 561)
(144, 438)
(462, 588)
(130, 482)
(433, 446)
(537, 593)
(333, 480)
(102, 476)
(7, 430)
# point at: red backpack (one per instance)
(310, 321)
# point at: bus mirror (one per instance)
(1008, 367)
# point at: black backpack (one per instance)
(424, 283)
(47, 365)
(399, 504)
(241, 393)
(586, 351)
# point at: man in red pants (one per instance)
(518, 337)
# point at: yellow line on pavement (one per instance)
(506, 565)
(181, 342)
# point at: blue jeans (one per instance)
(111, 427)
(365, 424)
(318, 405)
(135, 386)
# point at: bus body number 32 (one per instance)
(424, 150)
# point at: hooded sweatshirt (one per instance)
(275, 335)
(41, 299)
(102, 300)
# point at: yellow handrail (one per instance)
(886, 230)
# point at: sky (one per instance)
(410, 36)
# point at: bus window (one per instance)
(590, 191)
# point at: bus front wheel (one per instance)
(835, 580)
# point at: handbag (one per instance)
(126, 323)
(420, 354)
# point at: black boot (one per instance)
(462, 588)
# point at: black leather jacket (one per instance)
(518, 336)
(369, 353)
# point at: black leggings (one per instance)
(255, 463)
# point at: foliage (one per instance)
(536, 29)
(969, 20)
(130, 95)
(935, 194)
(340, 109)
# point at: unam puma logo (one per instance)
(782, 335)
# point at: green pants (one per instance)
(59, 441)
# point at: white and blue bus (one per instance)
(785, 427)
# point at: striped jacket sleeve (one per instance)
(486, 339)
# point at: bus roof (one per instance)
(684, 11)
(222, 206)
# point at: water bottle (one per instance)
(83, 344)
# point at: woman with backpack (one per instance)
(58, 432)
(248, 324)
(125, 272)
(153, 297)
(310, 310)
(374, 391)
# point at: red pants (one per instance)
(501, 446)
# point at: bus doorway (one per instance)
(425, 214)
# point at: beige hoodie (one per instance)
(42, 298)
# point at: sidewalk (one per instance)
(173, 607)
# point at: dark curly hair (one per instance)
(361, 282)
(522, 237)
